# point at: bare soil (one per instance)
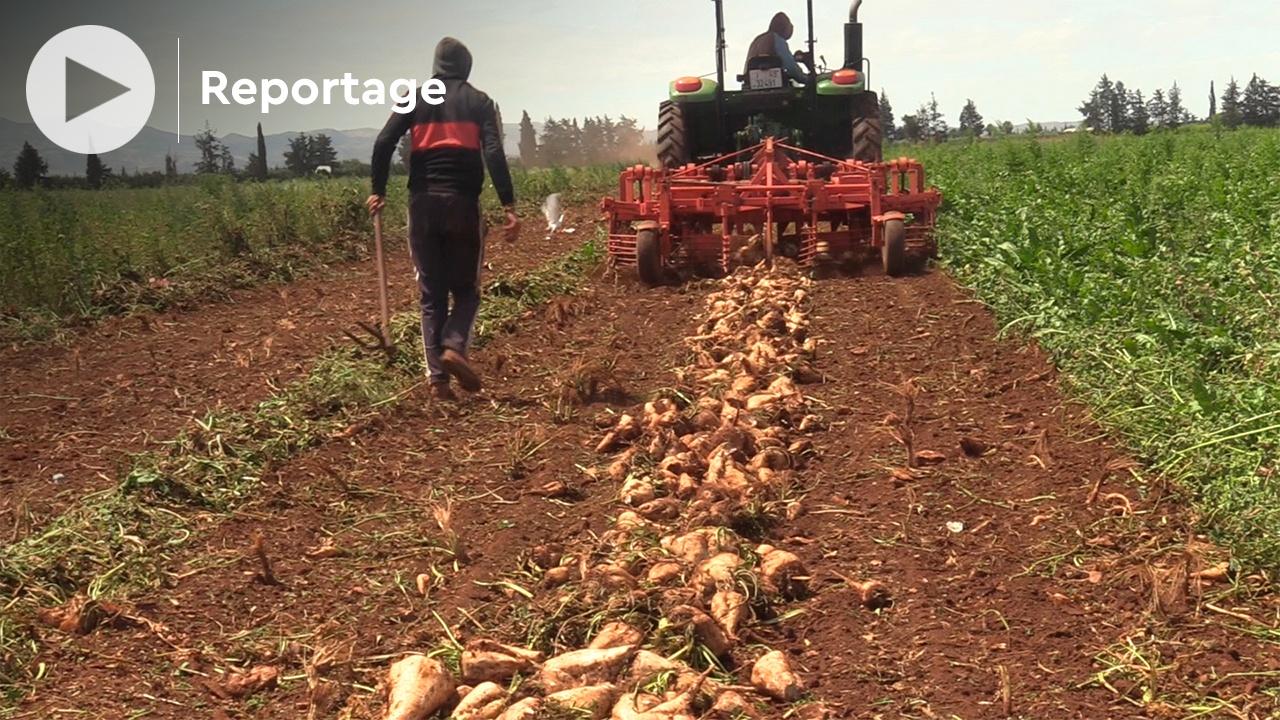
(71, 412)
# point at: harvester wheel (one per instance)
(673, 138)
(867, 140)
(868, 134)
(649, 256)
(893, 254)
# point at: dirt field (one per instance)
(1026, 569)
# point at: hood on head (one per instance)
(453, 60)
(781, 24)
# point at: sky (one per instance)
(1016, 59)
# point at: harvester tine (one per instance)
(768, 237)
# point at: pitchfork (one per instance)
(381, 333)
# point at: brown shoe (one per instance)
(442, 391)
(457, 366)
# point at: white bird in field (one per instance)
(554, 212)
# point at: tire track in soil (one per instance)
(967, 613)
(935, 653)
(132, 383)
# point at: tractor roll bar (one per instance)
(720, 47)
(813, 67)
(812, 86)
(853, 58)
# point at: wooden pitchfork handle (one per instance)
(385, 328)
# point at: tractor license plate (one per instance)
(764, 79)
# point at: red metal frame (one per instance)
(837, 206)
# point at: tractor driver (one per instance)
(774, 43)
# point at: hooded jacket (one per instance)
(452, 142)
(774, 44)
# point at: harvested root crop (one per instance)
(590, 666)
(665, 573)
(557, 576)
(707, 461)
(597, 700)
(706, 420)
(614, 577)
(82, 615)
(660, 510)
(730, 609)
(484, 702)
(637, 491)
(486, 660)
(257, 679)
(772, 458)
(731, 705)
(716, 571)
(681, 706)
(782, 572)
(526, 709)
(697, 545)
(418, 687)
(617, 470)
(873, 594)
(649, 668)
(629, 520)
(706, 629)
(636, 706)
(772, 675)
(616, 634)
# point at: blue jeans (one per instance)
(446, 241)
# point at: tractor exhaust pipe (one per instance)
(853, 39)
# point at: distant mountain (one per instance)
(147, 151)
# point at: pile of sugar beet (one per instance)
(690, 467)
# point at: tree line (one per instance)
(928, 122)
(1111, 107)
(596, 141)
(305, 155)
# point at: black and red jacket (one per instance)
(453, 141)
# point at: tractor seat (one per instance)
(763, 72)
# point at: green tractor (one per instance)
(833, 113)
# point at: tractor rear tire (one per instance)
(868, 133)
(649, 257)
(673, 136)
(893, 254)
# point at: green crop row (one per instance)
(1150, 268)
(81, 254)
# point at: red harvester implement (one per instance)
(692, 216)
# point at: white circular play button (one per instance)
(90, 89)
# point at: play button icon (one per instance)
(90, 89)
(98, 89)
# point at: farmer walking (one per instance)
(452, 143)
